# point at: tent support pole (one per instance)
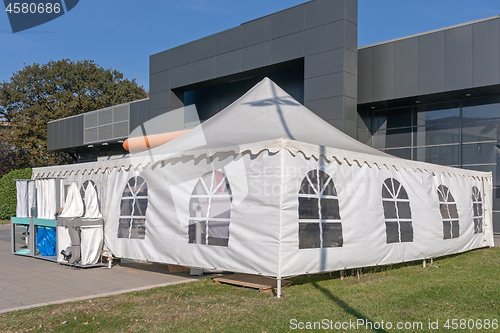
(424, 263)
(341, 274)
(358, 271)
(278, 292)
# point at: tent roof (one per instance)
(265, 113)
(265, 118)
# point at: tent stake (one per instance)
(278, 293)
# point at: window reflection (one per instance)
(437, 114)
(402, 153)
(443, 155)
(479, 153)
(438, 134)
(458, 133)
(480, 109)
(480, 131)
(392, 119)
(392, 138)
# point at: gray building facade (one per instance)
(431, 97)
(435, 97)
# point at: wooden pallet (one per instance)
(260, 282)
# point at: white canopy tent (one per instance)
(267, 187)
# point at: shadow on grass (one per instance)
(304, 279)
(346, 307)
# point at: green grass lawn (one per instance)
(465, 286)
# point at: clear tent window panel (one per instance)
(449, 213)
(319, 214)
(477, 204)
(210, 210)
(133, 206)
(397, 212)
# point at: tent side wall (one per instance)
(161, 232)
(359, 224)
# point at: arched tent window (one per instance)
(397, 212)
(319, 215)
(210, 210)
(449, 213)
(478, 210)
(132, 223)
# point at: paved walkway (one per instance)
(27, 282)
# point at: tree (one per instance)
(38, 94)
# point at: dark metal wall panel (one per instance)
(324, 63)
(229, 63)
(486, 67)
(288, 22)
(351, 36)
(383, 72)
(181, 55)
(73, 132)
(181, 76)
(325, 86)
(321, 12)
(257, 31)
(431, 63)
(365, 69)
(351, 8)
(204, 48)
(79, 130)
(287, 48)
(406, 68)
(327, 108)
(229, 40)
(350, 86)
(65, 133)
(159, 81)
(159, 62)
(138, 114)
(458, 58)
(204, 70)
(350, 107)
(256, 56)
(159, 100)
(50, 136)
(351, 62)
(324, 38)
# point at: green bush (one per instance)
(8, 197)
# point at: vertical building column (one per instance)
(330, 87)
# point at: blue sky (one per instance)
(122, 34)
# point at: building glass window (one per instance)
(132, 222)
(477, 203)
(449, 213)
(319, 215)
(210, 210)
(397, 212)
(462, 133)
